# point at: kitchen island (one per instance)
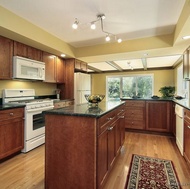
(82, 144)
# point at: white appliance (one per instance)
(179, 111)
(82, 86)
(24, 68)
(34, 123)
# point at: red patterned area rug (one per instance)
(151, 173)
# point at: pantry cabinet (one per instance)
(6, 55)
(187, 135)
(11, 131)
(26, 51)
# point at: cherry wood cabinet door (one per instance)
(26, 51)
(60, 70)
(6, 55)
(187, 141)
(50, 67)
(11, 131)
(102, 161)
(34, 54)
(158, 116)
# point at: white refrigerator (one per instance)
(82, 86)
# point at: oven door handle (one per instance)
(40, 109)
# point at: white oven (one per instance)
(34, 123)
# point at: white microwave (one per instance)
(24, 68)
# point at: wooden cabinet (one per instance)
(26, 51)
(11, 131)
(187, 135)
(54, 68)
(186, 64)
(6, 55)
(86, 146)
(158, 116)
(80, 65)
(135, 114)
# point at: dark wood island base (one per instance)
(81, 145)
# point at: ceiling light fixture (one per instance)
(100, 17)
(75, 24)
(129, 64)
(186, 37)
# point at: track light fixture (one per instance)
(100, 17)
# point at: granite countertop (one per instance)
(86, 110)
(5, 106)
(183, 102)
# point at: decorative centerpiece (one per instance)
(94, 99)
(167, 91)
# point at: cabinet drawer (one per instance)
(134, 124)
(11, 113)
(135, 103)
(187, 115)
(105, 121)
(134, 113)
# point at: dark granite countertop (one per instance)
(86, 110)
(183, 102)
(5, 106)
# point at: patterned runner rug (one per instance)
(151, 173)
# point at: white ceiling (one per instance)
(128, 19)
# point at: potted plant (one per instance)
(167, 91)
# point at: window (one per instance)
(129, 86)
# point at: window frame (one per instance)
(128, 75)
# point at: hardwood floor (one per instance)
(26, 171)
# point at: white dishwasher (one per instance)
(179, 127)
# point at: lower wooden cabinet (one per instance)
(150, 115)
(135, 114)
(86, 147)
(11, 131)
(187, 135)
(158, 116)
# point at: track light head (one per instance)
(93, 26)
(75, 24)
(107, 37)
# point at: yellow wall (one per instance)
(161, 78)
(41, 88)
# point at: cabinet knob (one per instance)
(110, 128)
(188, 127)
(11, 114)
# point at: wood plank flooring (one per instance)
(26, 171)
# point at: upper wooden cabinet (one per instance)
(54, 68)
(80, 65)
(6, 55)
(186, 64)
(27, 51)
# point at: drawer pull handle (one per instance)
(11, 114)
(110, 128)
(110, 118)
(188, 127)
(121, 117)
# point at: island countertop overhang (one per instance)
(86, 109)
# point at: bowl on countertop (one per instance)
(94, 99)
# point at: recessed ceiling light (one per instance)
(63, 55)
(186, 37)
